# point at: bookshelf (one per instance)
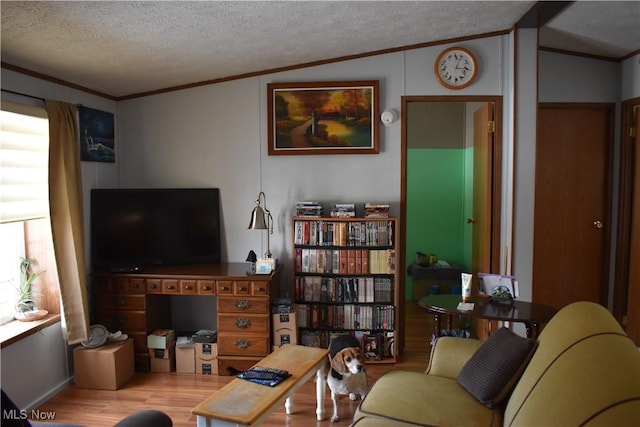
(346, 281)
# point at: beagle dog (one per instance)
(347, 375)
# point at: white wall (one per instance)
(36, 367)
(217, 136)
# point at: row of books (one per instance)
(375, 345)
(348, 316)
(340, 233)
(376, 210)
(343, 289)
(345, 261)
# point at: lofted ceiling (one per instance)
(125, 48)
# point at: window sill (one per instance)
(16, 330)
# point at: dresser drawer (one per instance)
(127, 321)
(243, 305)
(243, 345)
(170, 286)
(260, 289)
(206, 287)
(154, 286)
(238, 323)
(224, 287)
(188, 287)
(242, 287)
(122, 301)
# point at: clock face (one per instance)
(456, 68)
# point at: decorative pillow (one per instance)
(493, 370)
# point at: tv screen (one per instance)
(135, 228)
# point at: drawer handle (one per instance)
(224, 288)
(153, 286)
(243, 323)
(243, 344)
(171, 287)
(260, 289)
(206, 288)
(188, 287)
(242, 289)
(121, 301)
(242, 304)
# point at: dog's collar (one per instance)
(335, 374)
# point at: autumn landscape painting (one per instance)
(323, 118)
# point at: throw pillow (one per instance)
(493, 370)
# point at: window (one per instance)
(24, 194)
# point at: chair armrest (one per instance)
(450, 354)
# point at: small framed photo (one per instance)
(489, 282)
(323, 118)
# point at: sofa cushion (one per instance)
(492, 372)
(427, 400)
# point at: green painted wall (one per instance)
(435, 206)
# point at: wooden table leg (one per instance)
(436, 318)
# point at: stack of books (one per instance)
(309, 209)
(343, 210)
(376, 210)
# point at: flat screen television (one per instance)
(135, 228)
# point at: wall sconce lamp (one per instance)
(261, 219)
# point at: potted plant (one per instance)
(25, 307)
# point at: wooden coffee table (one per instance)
(243, 403)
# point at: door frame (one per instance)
(496, 167)
(623, 241)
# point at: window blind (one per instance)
(24, 158)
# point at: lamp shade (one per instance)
(257, 219)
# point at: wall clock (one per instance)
(456, 67)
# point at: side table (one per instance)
(532, 315)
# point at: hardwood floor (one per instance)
(176, 394)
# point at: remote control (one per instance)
(272, 370)
(256, 375)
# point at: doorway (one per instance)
(437, 182)
(572, 224)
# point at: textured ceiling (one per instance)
(120, 48)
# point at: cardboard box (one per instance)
(161, 338)
(185, 356)
(285, 319)
(107, 367)
(206, 350)
(285, 328)
(165, 364)
(285, 336)
(207, 367)
(206, 358)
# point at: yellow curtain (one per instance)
(65, 204)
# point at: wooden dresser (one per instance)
(139, 303)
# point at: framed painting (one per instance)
(323, 118)
(97, 143)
